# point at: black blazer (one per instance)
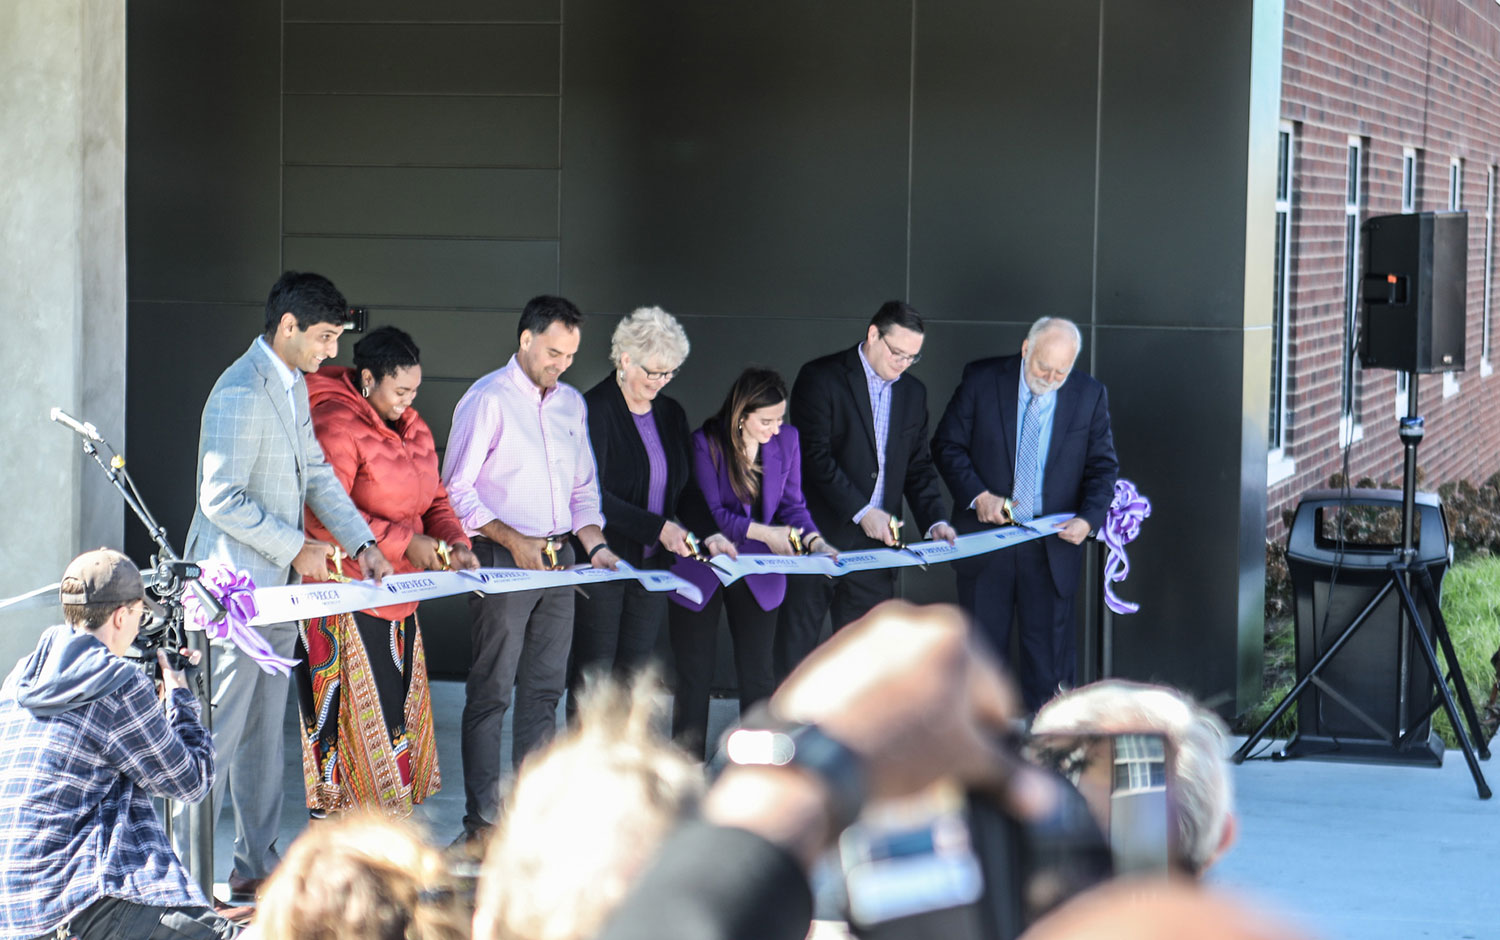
(625, 476)
(975, 450)
(831, 409)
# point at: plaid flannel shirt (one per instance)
(76, 820)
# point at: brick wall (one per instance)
(1397, 74)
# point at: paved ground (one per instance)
(1352, 851)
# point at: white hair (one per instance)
(647, 334)
(584, 818)
(1203, 794)
(1055, 325)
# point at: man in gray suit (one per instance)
(258, 463)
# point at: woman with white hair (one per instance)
(640, 439)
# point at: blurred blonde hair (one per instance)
(361, 877)
(584, 817)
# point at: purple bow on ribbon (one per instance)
(236, 592)
(1121, 527)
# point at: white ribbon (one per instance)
(325, 598)
(730, 570)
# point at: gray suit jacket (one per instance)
(256, 469)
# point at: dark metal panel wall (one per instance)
(769, 172)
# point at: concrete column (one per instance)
(62, 261)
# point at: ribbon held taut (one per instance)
(1121, 527)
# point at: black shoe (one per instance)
(243, 890)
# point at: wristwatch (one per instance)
(368, 543)
(769, 742)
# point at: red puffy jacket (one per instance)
(392, 475)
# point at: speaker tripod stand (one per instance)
(1408, 578)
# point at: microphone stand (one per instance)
(172, 576)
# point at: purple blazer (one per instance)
(781, 503)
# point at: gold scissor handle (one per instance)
(895, 525)
(336, 564)
(444, 551)
(549, 552)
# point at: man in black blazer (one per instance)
(976, 449)
(863, 425)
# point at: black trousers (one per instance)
(115, 919)
(695, 636)
(614, 631)
(1015, 584)
(809, 597)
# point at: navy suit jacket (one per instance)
(975, 450)
(780, 503)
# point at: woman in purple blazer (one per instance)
(749, 470)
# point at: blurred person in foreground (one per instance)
(902, 698)
(748, 467)
(86, 745)
(643, 451)
(361, 877)
(1202, 794)
(585, 817)
(362, 682)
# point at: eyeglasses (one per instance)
(668, 375)
(911, 359)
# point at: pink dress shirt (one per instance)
(521, 457)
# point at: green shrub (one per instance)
(1471, 607)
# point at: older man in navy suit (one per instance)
(1028, 436)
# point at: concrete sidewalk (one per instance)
(1351, 851)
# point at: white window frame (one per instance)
(1279, 462)
(1409, 172)
(1408, 180)
(1351, 428)
(1485, 368)
(1455, 204)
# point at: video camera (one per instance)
(166, 581)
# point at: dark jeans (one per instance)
(520, 641)
(116, 919)
(695, 636)
(614, 631)
(1016, 584)
(809, 596)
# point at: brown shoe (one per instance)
(243, 890)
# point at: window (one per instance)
(1350, 429)
(1408, 180)
(1409, 169)
(1279, 465)
(1455, 204)
(1489, 269)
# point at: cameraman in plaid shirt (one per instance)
(84, 744)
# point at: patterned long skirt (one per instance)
(367, 736)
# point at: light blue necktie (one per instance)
(1024, 495)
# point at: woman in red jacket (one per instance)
(366, 708)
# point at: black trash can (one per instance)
(1380, 672)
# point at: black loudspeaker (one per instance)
(1415, 292)
(1377, 686)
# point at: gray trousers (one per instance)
(249, 708)
(520, 641)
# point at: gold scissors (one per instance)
(895, 526)
(336, 564)
(549, 552)
(443, 552)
